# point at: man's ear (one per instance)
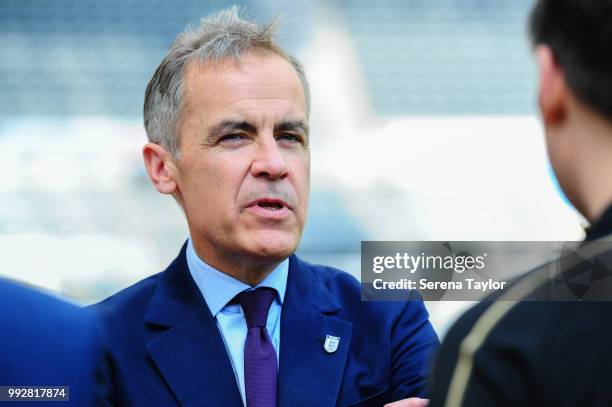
(552, 94)
(160, 167)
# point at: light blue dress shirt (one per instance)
(218, 289)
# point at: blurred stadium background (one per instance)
(424, 127)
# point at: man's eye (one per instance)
(289, 137)
(232, 137)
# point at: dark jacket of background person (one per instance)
(552, 353)
(538, 354)
(47, 342)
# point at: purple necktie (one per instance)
(260, 366)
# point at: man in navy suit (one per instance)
(237, 319)
(47, 343)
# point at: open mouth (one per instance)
(273, 206)
(269, 204)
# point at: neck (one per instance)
(250, 270)
(593, 163)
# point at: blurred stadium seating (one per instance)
(423, 127)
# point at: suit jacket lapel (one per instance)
(309, 375)
(190, 355)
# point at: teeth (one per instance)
(272, 206)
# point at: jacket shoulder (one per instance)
(334, 279)
(346, 289)
(129, 302)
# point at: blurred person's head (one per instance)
(573, 42)
(226, 113)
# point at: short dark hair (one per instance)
(579, 33)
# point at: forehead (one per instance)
(257, 84)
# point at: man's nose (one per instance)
(269, 161)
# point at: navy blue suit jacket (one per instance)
(166, 348)
(48, 342)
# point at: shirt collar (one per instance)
(219, 288)
(602, 227)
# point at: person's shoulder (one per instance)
(12, 292)
(47, 340)
(465, 323)
(131, 301)
(33, 304)
(497, 319)
(347, 290)
(343, 286)
(333, 278)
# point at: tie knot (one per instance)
(256, 304)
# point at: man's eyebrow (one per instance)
(292, 125)
(228, 126)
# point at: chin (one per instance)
(274, 246)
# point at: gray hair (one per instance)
(220, 35)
